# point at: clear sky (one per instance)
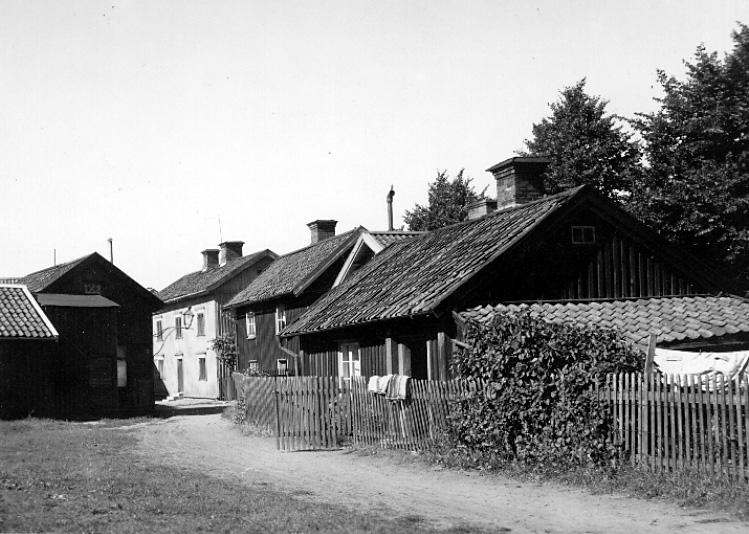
(147, 121)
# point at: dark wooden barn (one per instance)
(395, 315)
(28, 345)
(104, 361)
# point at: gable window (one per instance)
(159, 330)
(349, 361)
(280, 318)
(583, 235)
(202, 373)
(250, 326)
(201, 324)
(92, 288)
(178, 327)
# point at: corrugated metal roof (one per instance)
(672, 319)
(21, 317)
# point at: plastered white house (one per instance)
(184, 330)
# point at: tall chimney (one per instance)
(321, 229)
(519, 180)
(210, 258)
(390, 196)
(230, 250)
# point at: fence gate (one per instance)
(311, 413)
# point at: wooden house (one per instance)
(395, 314)
(103, 358)
(193, 316)
(28, 341)
(283, 292)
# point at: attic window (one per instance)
(583, 235)
(92, 288)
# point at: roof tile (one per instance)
(20, 318)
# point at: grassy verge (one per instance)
(72, 477)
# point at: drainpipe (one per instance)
(390, 196)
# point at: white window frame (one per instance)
(202, 369)
(159, 330)
(160, 366)
(282, 366)
(200, 322)
(349, 360)
(178, 327)
(280, 318)
(250, 325)
(253, 366)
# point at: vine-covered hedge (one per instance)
(538, 402)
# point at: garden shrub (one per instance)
(537, 402)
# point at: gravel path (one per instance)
(384, 484)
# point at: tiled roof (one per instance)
(40, 280)
(386, 238)
(283, 275)
(413, 276)
(201, 281)
(672, 319)
(21, 317)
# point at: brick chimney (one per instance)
(519, 180)
(230, 250)
(481, 207)
(321, 230)
(210, 258)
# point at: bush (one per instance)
(538, 403)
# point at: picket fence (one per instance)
(661, 422)
(678, 422)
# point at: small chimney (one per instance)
(321, 230)
(481, 207)
(210, 258)
(230, 250)
(390, 196)
(519, 180)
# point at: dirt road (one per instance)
(382, 484)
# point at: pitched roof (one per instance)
(204, 281)
(385, 238)
(21, 317)
(40, 280)
(414, 276)
(672, 319)
(295, 270)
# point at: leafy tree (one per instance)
(695, 190)
(448, 203)
(585, 145)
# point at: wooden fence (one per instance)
(670, 422)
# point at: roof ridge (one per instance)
(326, 240)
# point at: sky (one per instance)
(169, 126)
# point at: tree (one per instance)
(695, 189)
(585, 145)
(448, 203)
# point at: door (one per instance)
(180, 377)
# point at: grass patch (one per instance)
(73, 477)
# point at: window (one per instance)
(92, 288)
(159, 330)
(178, 327)
(250, 327)
(349, 362)
(201, 324)
(253, 367)
(583, 235)
(280, 318)
(202, 374)
(160, 367)
(282, 366)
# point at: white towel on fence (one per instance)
(383, 383)
(373, 383)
